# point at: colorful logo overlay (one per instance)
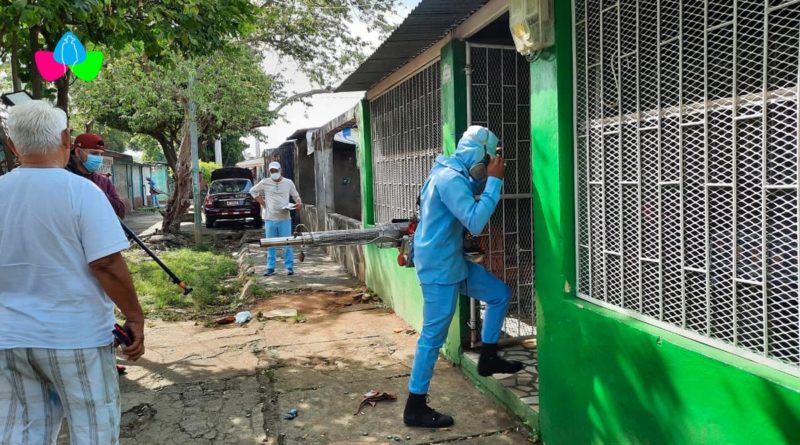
(69, 54)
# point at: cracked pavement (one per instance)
(234, 385)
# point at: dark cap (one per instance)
(89, 140)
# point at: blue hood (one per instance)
(470, 149)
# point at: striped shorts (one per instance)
(39, 387)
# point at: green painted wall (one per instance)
(399, 286)
(454, 94)
(365, 163)
(609, 379)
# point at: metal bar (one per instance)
(781, 6)
(639, 155)
(619, 161)
(659, 157)
(780, 187)
(797, 171)
(473, 304)
(749, 282)
(752, 116)
(490, 46)
(720, 26)
(692, 124)
(669, 40)
(695, 269)
(764, 182)
(603, 226)
(775, 96)
(706, 172)
(735, 157)
(681, 171)
(588, 151)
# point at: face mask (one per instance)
(275, 176)
(93, 163)
(478, 171)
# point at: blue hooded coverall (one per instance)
(447, 206)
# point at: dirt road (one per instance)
(231, 384)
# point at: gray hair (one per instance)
(35, 127)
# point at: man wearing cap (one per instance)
(273, 194)
(86, 159)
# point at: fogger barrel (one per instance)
(385, 234)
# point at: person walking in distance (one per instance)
(273, 194)
(61, 273)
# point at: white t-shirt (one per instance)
(52, 225)
(276, 196)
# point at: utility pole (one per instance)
(195, 162)
(218, 151)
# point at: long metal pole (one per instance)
(195, 161)
(182, 284)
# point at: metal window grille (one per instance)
(407, 137)
(500, 101)
(686, 125)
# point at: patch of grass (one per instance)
(260, 291)
(204, 270)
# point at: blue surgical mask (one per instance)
(275, 176)
(93, 163)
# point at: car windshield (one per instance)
(230, 186)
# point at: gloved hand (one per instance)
(497, 167)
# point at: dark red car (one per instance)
(229, 197)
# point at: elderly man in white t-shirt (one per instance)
(61, 273)
(273, 194)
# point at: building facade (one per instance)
(649, 217)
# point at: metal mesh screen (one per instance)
(687, 167)
(407, 137)
(500, 101)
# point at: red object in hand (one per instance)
(401, 260)
(122, 336)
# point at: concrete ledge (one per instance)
(500, 394)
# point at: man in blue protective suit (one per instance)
(447, 206)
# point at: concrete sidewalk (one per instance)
(233, 385)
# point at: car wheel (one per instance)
(210, 223)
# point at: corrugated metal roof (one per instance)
(425, 25)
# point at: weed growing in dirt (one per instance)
(211, 274)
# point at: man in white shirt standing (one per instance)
(61, 273)
(273, 194)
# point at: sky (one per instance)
(324, 107)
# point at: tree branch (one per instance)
(292, 99)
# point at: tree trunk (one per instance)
(169, 150)
(15, 80)
(62, 100)
(179, 201)
(36, 79)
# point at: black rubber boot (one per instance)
(419, 414)
(490, 363)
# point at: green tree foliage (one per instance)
(154, 48)
(183, 26)
(232, 149)
(206, 168)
